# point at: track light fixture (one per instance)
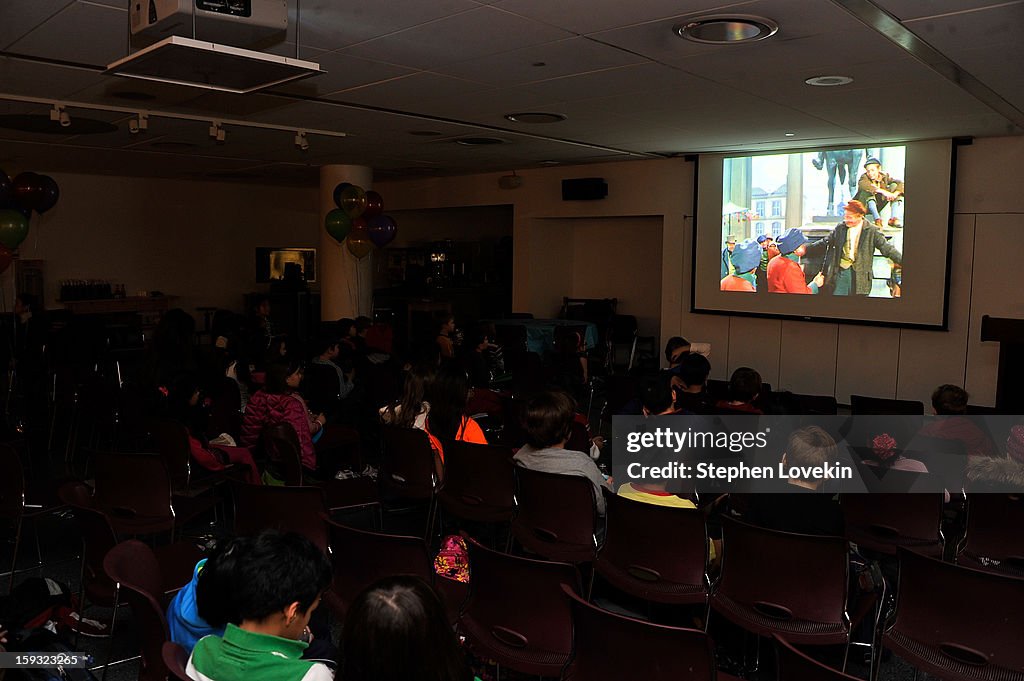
(217, 132)
(301, 141)
(138, 124)
(60, 115)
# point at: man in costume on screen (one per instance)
(849, 252)
(727, 266)
(784, 272)
(745, 259)
(876, 189)
(768, 251)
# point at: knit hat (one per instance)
(791, 240)
(872, 161)
(746, 257)
(1015, 444)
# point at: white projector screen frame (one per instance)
(929, 176)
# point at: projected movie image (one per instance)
(825, 222)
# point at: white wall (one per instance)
(194, 240)
(807, 357)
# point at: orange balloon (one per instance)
(358, 242)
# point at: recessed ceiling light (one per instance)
(829, 81)
(478, 141)
(721, 29)
(790, 134)
(535, 117)
(424, 133)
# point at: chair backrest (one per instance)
(881, 406)
(794, 665)
(783, 575)
(135, 568)
(495, 617)
(647, 651)
(529, 375)
(556, 515)
(945, 457)
(479, 481)
(284, 456)
(291, 509)
(176, 660)
(655, 552)
(407, 464)
(98, 538)
(994, 539)
(884, 521)
(817, 405)
(132, 485)
(171, 440)
(957, 623)
(361, 558)
(12, 484)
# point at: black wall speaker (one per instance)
(584, 189)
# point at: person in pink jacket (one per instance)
(278, 402)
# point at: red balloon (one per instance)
(6, 258)
(374, 205)
(28, 190)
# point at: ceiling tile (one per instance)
(343, 72)
(60, 37)
(21, 77)
(330, 25)
(469, 35)
(542, 62)
(408, 91)
(915, 9)
(21, 16)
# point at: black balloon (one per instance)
(50, 192)
(6, 190)
(28, 190)
(342, 186)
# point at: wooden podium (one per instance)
(1009, 333)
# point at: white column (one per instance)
(346, 284)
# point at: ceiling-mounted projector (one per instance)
(231, 22)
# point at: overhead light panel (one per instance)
(184, 61)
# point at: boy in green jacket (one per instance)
(279, 585)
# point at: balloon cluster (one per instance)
(359, 220)
(18, 198)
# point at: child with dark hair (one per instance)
(204, 607)
(744, 388)
(279, 580)
(444, 324)
(949, 402)
(411, 410)
(448, 395)
(548, 422)
(183, 406)
(397, 630)
(689, 381)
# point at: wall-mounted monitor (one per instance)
(832, 234)
(278, 264)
